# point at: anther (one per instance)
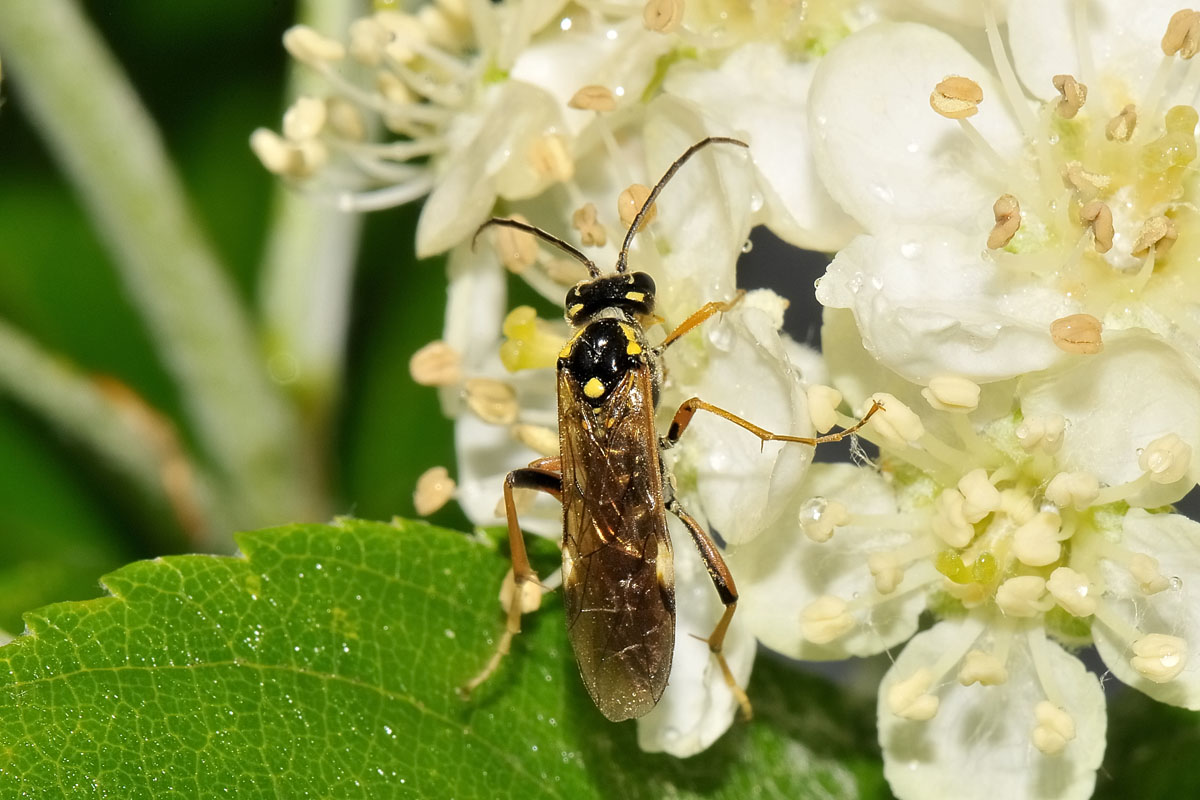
(1073, 591)
(1054, 728)
(537, 438)
(566, 271)
(1120, 128)
(819, 517)
(1073, 489)
(492, 401)
(405, 36)
(1159, 657)
(980, 497)
(1072, 93)
(309, 47)
(630, 202)
(982, 668)
(663, 16)
(1182, 36)
(1144, 569)
(591, 232)
(823, 402)
(1098, 216)
(895, 421)
(910, 698)
(1167, 459)
(1007, 212)
(956, 97)
(886, 570)
(593, 98)
(549, 158)
(1088, 184)
(516, 249)
(1078, 333)
(434, 488)
(436, 364)
(304, 119)
(277, 154)
(1042, 432)
(345, 119)
(825, 619)
(1159, 233)
(948, 522)
(1022, 596)
(1035, 543)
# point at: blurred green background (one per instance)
(209, 74)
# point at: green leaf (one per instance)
(323, 663)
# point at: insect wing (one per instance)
(618, 584)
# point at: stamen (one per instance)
(1098, 216)
(1159, 233)
(982, 668)
(345, 119)
(1167, 459)
(1182, 36)
(388, 197)
(1023, 596)
(491, 400)
(1077, 490)
(663, 16)
(537, 438)
(434, 488)
(1088, 184)
(1073, 591)
(436, 364)
(910, 698)
(980, 497)
(1078, 333)
(896, 422)
(1159, 657)
(956, 97)
(304, 119)
(948, 522)
(819, 516)
(593, 98)
(591, 232)
(630, 202)
(1121, 127)
(826, 619)
(277, 154)
(1007, 212)
(549, 158)
(1055, 728)
(1012, 89)
(1073, 95)
(1083, 42)
(823, 402)
(566, 271)
(1035, 636)
(516, 249)
(1144, 569)
(1042, 432)
(1036, 543)
(309, 47)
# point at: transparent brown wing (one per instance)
(618, 584)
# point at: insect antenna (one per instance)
(592, 269)
(658, 187)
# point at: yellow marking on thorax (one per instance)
(636, 297)
(631, 347)
(566, 351)
(575, 309)
(593, 388)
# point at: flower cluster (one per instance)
(1014, 282)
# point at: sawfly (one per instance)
(617, 570)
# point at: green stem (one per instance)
(132, 439)
(110, 149)
(308, 268)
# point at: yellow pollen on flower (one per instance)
(1007, 212)
(825, 619)
(1054, 729)
(530, 342)
(491, 400)
(436, 364)
(1159, 657)
(956, 97)
(591, 232)
(630, 202)
(593, 98)
(434, 488)
(1121, 127)
(1098, 216)
(1073, 95)
(910, 698)
(1182, 36)
(982, 668)
(1078, 333)
(663, 16)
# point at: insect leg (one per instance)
(699, 315)
(543, 480)
(723, 581)
(688, 409)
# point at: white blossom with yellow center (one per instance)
(997, 510)
(1018, 213)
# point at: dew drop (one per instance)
(813, 509)
(747, 246)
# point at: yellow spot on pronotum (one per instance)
(636, 297)
(575, 309)
(593, 388)
(632, 347)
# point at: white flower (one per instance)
(1020, 513)
(1032, 225)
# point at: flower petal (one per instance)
(1117, 402)
(761, 95)
(929, 303)
(782, 571)
(979, 744)
(738, 363)
(1174, 541)
(883, 153)
(698, 706)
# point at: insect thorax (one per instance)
(601, 354)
